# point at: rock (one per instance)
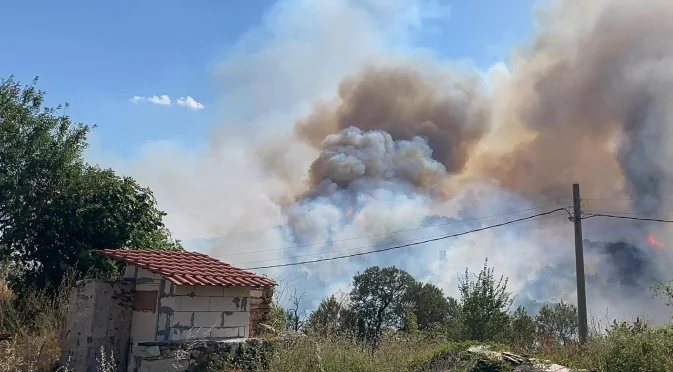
(522, 364)
(163, 365)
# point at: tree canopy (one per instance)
(54, 207)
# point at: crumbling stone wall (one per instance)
(181, 356)
(260, 309)
(99, 317)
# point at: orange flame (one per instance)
(654, 242)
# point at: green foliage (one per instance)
(281, 318)
(485, 303)
(635, 347)
(523, 329)
(559, 320)
(55, 208)
(410, 321)
(332, 317)
(428, 304)
(250, 357)
(376, 299)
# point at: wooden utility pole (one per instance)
(579, 265)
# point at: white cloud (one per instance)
(157, 100)
(190, 103)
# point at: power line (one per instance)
(393, 232)
(590, 215)
(621, 199)
(366, 246)
(631, 213)
(411, 244)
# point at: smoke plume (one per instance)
(384, 147)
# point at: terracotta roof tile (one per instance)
(189, 268)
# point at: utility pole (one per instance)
(579, 265)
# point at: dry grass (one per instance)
(34, 323)
(335, 354)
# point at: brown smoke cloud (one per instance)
(452, 115)
(588, 99)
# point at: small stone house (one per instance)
(165, 296)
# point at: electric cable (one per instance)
(392, 232)
(410, 244)
(591, 215)
(364, 247)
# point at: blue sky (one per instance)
(97, 55)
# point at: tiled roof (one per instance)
(189, 268)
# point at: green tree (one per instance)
(523, 329)
(559, 320)
(428, 304)
(376, 298)
(55, 209)
(485, 303)
(332, 317)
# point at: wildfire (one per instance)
(654, 242)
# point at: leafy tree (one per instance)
(55, 209)
(332, 317)
(485, 303)
(559, 320)
(376, 298)
(523, 329)
(428, 304)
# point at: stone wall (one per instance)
(260, 309)
(179, 356)
(99, 317)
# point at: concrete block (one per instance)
(182, 319)
(129, 272)
(144, 326)
(183, 290)
(255, 293)
(193, 333)
(168, 303)
(176, 335)
(167, 287)
(208, 290)
(243, 331)
(228, 303)
(145, 274)
(236, 319)
(237, 291)
(208, 319)
(163, 322)
(229, 332)
(146, 351)
(186, 303)
(152, 286)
